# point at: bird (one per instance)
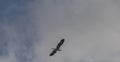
(57, 47)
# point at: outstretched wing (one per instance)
(57, 48)
(52, 53)
(60, 43)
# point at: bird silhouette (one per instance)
(57, 48)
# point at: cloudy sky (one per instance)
(30, 28)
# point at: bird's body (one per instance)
(57, 48)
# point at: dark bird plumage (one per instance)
(60, 43)
(57, 48)
(53, 52)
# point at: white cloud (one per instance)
(90, 28)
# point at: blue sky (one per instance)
(17, 32)
(30, 28)
(11, 8)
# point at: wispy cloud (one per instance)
(18, 33)
(91, 29)
(29, 29)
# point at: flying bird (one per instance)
(57, 48)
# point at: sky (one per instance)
(30, 28)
